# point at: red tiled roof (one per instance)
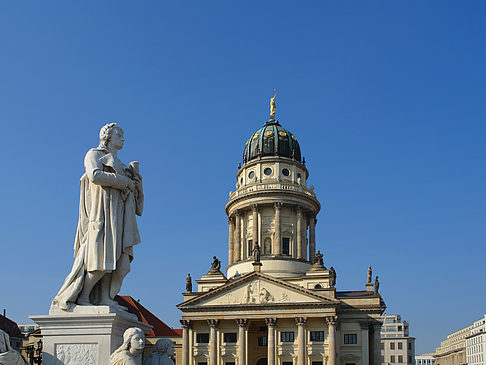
(10, 327)
(145, 316)
(178, 331)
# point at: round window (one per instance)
(251, 175)
(282, 133)
(255, 136)
(285, 172)
(267, 171)
(268, 133)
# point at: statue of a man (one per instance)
(130, 352)
(111, 197)
(377, 285)
(318, 258)
(162, 350)
(369, 275)
(256, 252)
(333, 277)
(188, 284)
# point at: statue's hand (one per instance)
(131, 185)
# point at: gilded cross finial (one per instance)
(273, 108)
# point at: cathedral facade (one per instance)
(277, 303)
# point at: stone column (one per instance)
(213, 341)
(271, 340)
(299, 232)
(312, 237)
(376, 344)
(237, 253)
(231, 241)
(241, 353)
(185, 341)
(254, 231)
(365, 345)
(277, 243)
(300, 321)
(331, 322)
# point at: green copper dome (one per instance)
(272, 140)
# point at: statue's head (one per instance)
(164, 346)
(133, 342)
(111, 132)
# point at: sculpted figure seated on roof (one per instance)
(111, 197)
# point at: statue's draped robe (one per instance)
(107, 227)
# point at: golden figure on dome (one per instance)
(273, 108)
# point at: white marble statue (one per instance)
(162, 350)
(130, 352)
(8, 356)
(111, 197)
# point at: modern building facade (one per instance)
(476, 343)
(397, 347)
(277, 303)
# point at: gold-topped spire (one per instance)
(273, 108)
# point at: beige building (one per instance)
(397, 347)
(277, 303)
(476, 343)
(452, 351)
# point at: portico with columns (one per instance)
(282, 308)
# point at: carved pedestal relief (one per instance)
(76, 354)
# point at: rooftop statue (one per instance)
(273, 107)
(130, 352)
(377, 285)
(188, 284)
(8, 355)
(162, 350)
(215, 266)
(332, 278)
(369, 275)
(257, 252)
(111, 197)
(319, 258)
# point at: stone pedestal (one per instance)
(85, 335)
(369, 286)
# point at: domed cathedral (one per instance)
(277, 303)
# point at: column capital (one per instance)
(331, 320)
(277, 205)
(231, 220)
(254, 207)
(364, 325)
(271, 321)
(241, 322)
(186, 323)
(300, 321)
(237, 212)
(213, 322)
(299, 209)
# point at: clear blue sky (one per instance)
(386, 98)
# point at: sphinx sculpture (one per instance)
(8, 356)
(130, 352)
(162, 350)
(111, 197)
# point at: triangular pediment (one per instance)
(256, 289)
